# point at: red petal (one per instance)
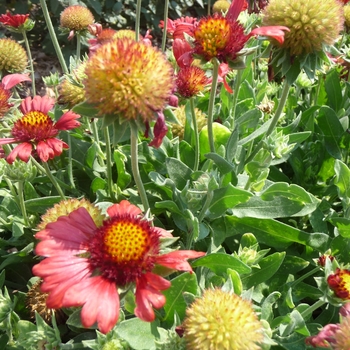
(124, 207)
(11, 80)
(177, 260)
(23, 151)
(276, 32)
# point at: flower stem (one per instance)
(53, 36)
(70, 164)
(306, 313)
(26, 42)
(135, 166)
(166, 9)
(78, 48)
(209, 5)
(45, 168)
(300, 279)
(109, 164)
(21, 203)
(274, 120)
(206, 204)
(235, 96)
(196, 135)
(214, 85)
(138, 20)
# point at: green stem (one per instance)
(97, 139)
(135, 166)
(306, 313)
(78, 48)
(109, 163)
(235, 96)
(209, 5)
(274, 120)
(70, 164)
(46, 169)
(300, 279)
(21, 203)
(26, 42)
(196, 136)
(138, 20)
(206, 205)
(214, 85)
(53, 36)
(166, 9)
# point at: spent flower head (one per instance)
(13, 57)
(190, 81)
(85, 264)
(221, 320)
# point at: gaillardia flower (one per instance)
(4, 100)
(14, 21)
(13, 57)
(128, 78)
(85, 264)
(36, 132)
(339, 282)
(221, 320)
(190, 81)
(312, 23)
(221, 6)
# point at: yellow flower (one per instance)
(222, 321)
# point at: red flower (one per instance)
(36, 130)
(178, 27)
(14, 21)
(324, 338)
(340, 283)
(85, 264)
(190, 81)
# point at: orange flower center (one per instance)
(213, 34)
(125, 241)
(34, 126)
(123, 248)
(344, 284)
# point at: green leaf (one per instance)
(40, 205)
(179, 172)
(332, 130)
(268, 266)
(85, 109)
(139, 334)
(219, 263)
(175, 302)
(226, 198)
(223, 165)
(123, 176)
(333, 89)
(343, 226)
(342, 176)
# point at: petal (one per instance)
(123, 208)
(177, 260)
(276, 32)
(156, 281)
(101, 302)
(23, 151)
(68, 121)
(182, 52)
(235, 9)
(11, 80)
(162, 233)
(38, 103)
(160, 130)
(57, 146)
(44, 151)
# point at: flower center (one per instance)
(34, 126)
(123, 248)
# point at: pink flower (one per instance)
(324, 338)
(36, 131)
(176, 29)
(85, 264)
(14, 21)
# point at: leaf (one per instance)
(175, 302)
(343, 226)
(223, 165)
(332, 130)
(179, 172)
(219, 263)
(342, 176)
(268, 266)
(226, 198)
(40, 205)
(123, 176)
(277, 201)
(333, 89)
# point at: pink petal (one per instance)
(182, 52)
(44, 151)
(156, 281)
(8, 140)
(160, 130)
(177, 260)
(100, 299)
(123, 208)
(162, 232)
(11, 80)
(276, 32)
(57, 146)
(235, 9)
(23, 151)
(68, 121)
(38, 103)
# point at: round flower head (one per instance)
(347, 15)
(312, 23)
(76, 18)
(65, 207)
(342, 335)
(36, 132)
(4, 100)
(13, 57)
(340, 283)
(221, 6)
(190, 81)
(220, 320)
(85, 264)
(102, 37)
(128, 78)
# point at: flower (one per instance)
(36, 130)
(342, 335)
(13, 57)
(128, 78)
(65, 207)
(14, 21)
(340, 283)
(324, 338)
(76, 18)
(85, 264)
(190, 81)
(221, 320)
(221, 6)
(176, 29)
(312, 23)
